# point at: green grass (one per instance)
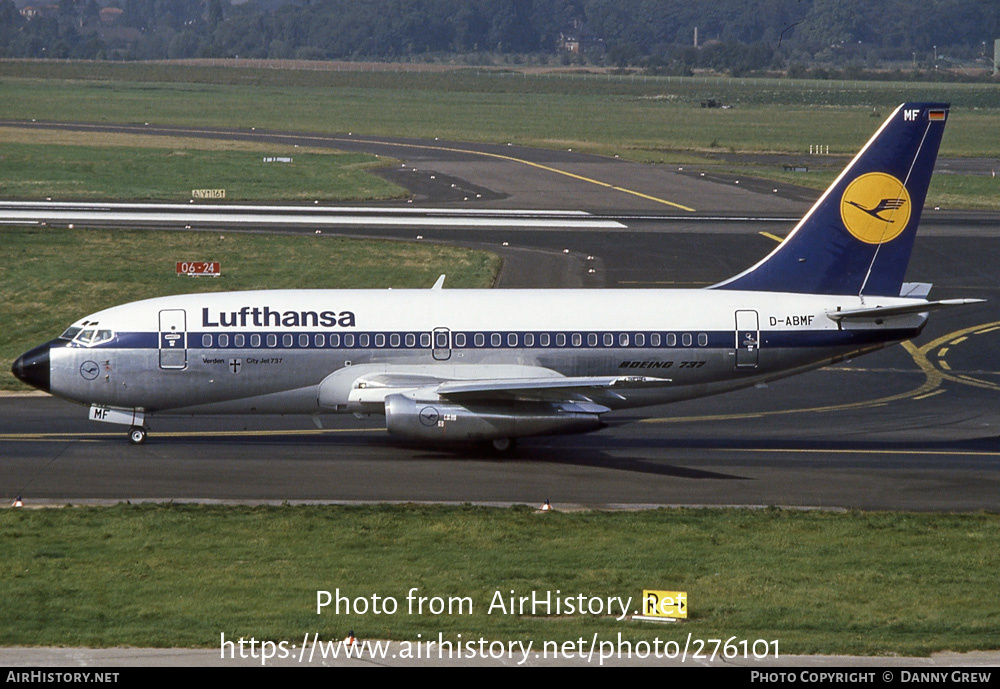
(51, 277)
(657, 120)
(168, 575)
(608, 116)
(126, 173)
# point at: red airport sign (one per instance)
(199, 268)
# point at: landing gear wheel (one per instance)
(504, 445)
(137, 435)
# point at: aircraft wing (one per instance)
(370, 385)
(541, 389)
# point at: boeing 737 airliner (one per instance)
(496, 365)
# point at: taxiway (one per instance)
(912, 427)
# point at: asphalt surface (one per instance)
(899, 429)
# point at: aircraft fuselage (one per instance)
(283, 351)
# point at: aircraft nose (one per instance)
(33, 368)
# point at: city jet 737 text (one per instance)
(492, 366)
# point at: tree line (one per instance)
(658, 35)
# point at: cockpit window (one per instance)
(92, 336)
(70, 333)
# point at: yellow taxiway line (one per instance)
(399, 144)
(934, 377)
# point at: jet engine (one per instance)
(441, 420)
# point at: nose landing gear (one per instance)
(133, 418)
(137, 435)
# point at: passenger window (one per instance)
(223, 340)
(287, 340)
(702, 339)
(512, 339)
(609, 340)
(394, 340)
(544, 339)
(380, 340)
(592, 340)
(623, 339)
(272, 340)
(411, 340)
(255, 340)
(363, 340)
(671, 340)
(459, 339)
(349, 340)
(480, 339)
(334, 340)
(529, 340)
(303, 340)
(640, 340)
(425, 339)
(654, 340)
(319, 340)
(686, 339)
(206, 340)
(495, 339)
(577, 339)
(239, 340)
(560, 339)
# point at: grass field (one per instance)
(645, 119)
(869, 584)
(75, 166)
(610, 116)
(51, 277)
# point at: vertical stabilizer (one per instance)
(857, 237)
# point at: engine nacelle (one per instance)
(412, 419)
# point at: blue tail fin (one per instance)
(857, 237)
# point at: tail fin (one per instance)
(857, 237)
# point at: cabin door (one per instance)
(173, 339)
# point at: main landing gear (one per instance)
(502, 446)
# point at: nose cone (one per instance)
(33, 368)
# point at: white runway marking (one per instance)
(331, 216)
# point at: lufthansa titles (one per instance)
(265, 316)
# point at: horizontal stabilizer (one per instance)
(880, 312)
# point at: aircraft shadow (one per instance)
(592, 458)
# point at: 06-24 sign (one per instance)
(196, 268)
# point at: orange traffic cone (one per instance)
(350, 640)
(547, 507)
(17, 502)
